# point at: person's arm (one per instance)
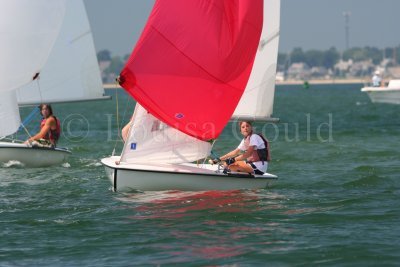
(127, 127)
(45, 129)
(125, 131)
(246, 154)
(231, 154)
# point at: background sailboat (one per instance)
(257, 101)
(28, 30)
(70, 74)
(188, 81)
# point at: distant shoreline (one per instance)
(287, 82)
(324, 81)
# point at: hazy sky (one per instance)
(310, 24)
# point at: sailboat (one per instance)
(189, 81)
(70, 74)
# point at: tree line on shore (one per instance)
(328, 58)
(313, 58)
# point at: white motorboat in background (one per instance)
(389, 94)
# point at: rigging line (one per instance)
(29, 117)
(27, 120)
(117, 112)
(214, 154)
(81, 36)
(211, 152)
(129, 99)
(270, 38)
(26, 130)
(40, 90)
(11, 139)
(117, 115)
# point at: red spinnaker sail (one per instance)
(193, 60)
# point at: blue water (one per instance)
(335, 203)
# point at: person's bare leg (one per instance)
(241, 166)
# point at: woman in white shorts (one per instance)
(248, 156)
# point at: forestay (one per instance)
(28, 30)
(258, 98)
(193, 60)
(72, 71)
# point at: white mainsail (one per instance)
(151, 141)
(72, 71)
(28, 30)
(258, 98)
(9, 113)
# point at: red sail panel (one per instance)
(193, 60)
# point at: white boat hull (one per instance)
(32, 157)
(185, 177)
(383, 94)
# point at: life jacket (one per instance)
(52, 135)
(262, 154)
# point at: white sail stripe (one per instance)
(270, 39)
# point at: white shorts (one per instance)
(261, 165)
